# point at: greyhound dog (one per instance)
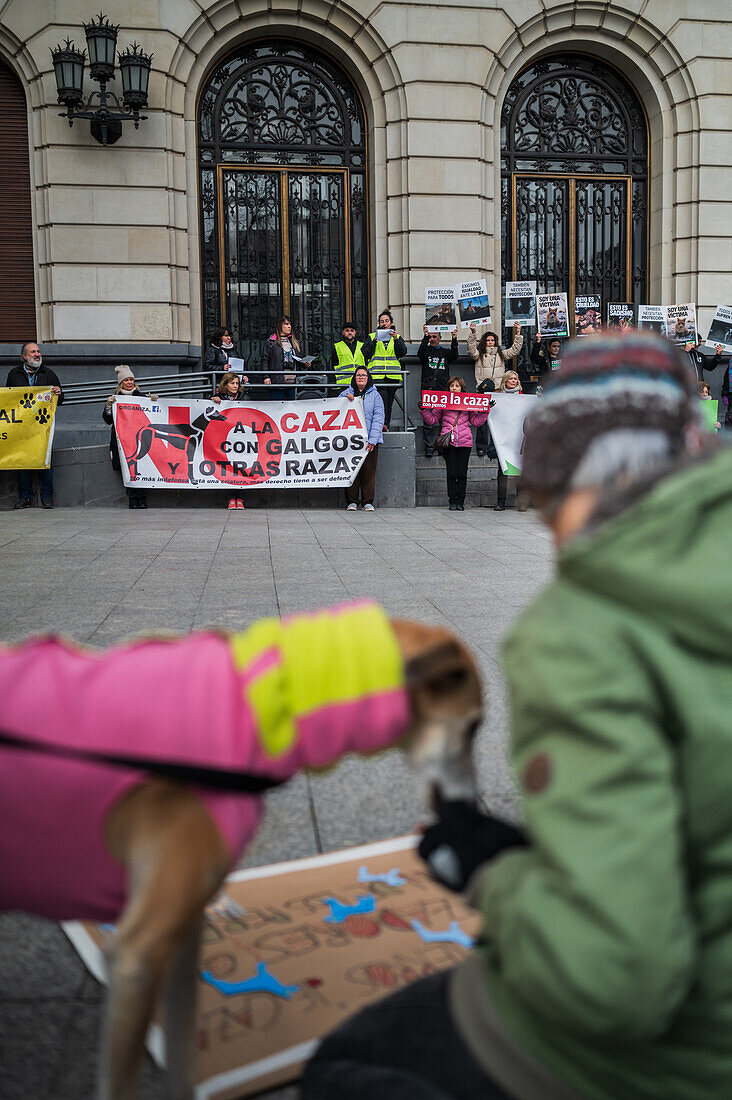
(183, 437)
(131, 784)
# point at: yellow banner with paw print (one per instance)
(27, 421)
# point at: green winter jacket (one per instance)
(606, 955)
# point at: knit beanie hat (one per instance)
(606, 384)
(123, 371)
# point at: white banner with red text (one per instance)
(193, 444)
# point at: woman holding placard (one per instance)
(490, 366)
(457, 442)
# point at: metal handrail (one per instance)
(204, 383)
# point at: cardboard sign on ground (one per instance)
(291, 950)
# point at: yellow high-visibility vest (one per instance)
(382, 364)
(347, 362)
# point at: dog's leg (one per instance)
(176, 860)
(180, 1017)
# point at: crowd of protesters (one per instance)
(370, 370)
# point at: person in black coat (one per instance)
(126, 387)
(546, 357)
(219, 350)
(702, 361)
(33, 373)
(435, 374)
(278, 363)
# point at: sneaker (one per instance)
(460, 507)
(352, 508)
(46, 503)
(452, 506)
(239, 502)
(23, 504)
(369, 508)
(499, 507)
(232, 504)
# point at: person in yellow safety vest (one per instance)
(383, 360)
(347, 355)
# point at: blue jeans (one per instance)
(25, 484)
(401, 1048)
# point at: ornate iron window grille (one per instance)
(279, 105)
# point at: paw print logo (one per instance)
(43, 416)
(28, 400)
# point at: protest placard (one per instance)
(439, 310)
(235, 364)
(473, 304)
(192, 444)
(27, 423)
(710, 412)
(290, 951)
(521, 304)
(587, 315)
(681, 323)
(506, 423)
(553, 314)
(652, 319)
(720, 331)
(620, 316)
(445, 399)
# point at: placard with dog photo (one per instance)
(620, 316)
(681, 323)
(652, 319)
(439, 310)
(473, 304)
(193, 444)
(521, 304)
(552, 314)
(587, 315)
(291, 950)
(720, 331)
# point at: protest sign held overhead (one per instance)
(721, 330)
(27, 423)
(620, 316)
(473, 304)
(439, 310)
(587, 315)
(681, 323)
(189, 444)
(506, 423)
(521, 304)
(652, 319)
(552, 314)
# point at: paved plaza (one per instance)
(101, 575)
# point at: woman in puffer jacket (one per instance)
(457, 453)
(490, 366)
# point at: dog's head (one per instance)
(446, 702)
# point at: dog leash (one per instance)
(218, 779)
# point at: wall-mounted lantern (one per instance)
(134, 65)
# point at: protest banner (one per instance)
(473, 304)
(620, 316)
(290, 951)
(506, 423)
(710, 414)
(720, 331)
(521, 304)
(652, 319)
(680, 323)
(193, 444)
(445, 399)
(587, 315)
(439, 310)
(553, 314)
(27, 424)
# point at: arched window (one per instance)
(282, 163)
(574, 173)
(17, 282)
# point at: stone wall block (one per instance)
(92, 322)
(150, 322)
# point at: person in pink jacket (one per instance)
(457, 453)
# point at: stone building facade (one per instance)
(615, 165)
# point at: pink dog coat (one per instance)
(281, 696)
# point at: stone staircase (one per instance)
(431, 485)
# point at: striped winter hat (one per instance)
(606, 384)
